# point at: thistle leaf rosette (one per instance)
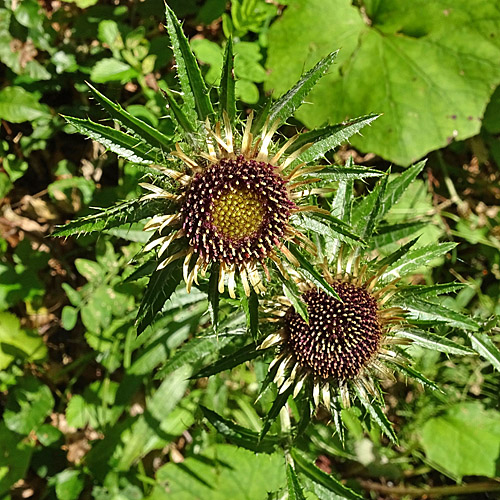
(223, 194)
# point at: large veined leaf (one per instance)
(429, 65)
(465, 440)
(223, 472)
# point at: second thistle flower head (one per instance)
(346, 341)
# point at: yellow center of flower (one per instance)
(237, 213)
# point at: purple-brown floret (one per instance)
(341, 337)
(236, 210)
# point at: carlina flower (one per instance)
(234, 206)
(346, 343)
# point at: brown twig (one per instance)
(432, 492)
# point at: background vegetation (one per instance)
(89, 410)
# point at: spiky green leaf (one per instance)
(310, 272)
(145, 131)
(293, 294)
(240, 436)
(416, 375)
(315, 474)
(336, 227)
(162, 284)
(328, 138)
(344, 173)
(390, 233)
(278, 403)
(286, 105)
(399, 185)
(433, 341)
(485, 347)
(195, 93)
(429, 312)
(342, 203)
(177, 113)
(415, 259)
(398, 254)
(196, 351)
(124, 213)
(293, 486)
(213, 295)
(227, 97)
(228, 362)
(124, 145)
(431, 290)
(367, 227)
(378, 416)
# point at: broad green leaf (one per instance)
(221, 472)
(415, 259)
(327, 138)
(162, 284)
(148, 427)
(294, 488)
(240, 436)
(433, 341)
(69, 484)
(429, 66)
(465, 440)
(69, 316)
(89, 269)
(145, 131)
(83, 4)
(303, 466)
(286, 105)
(127, 212)
(28, 405)
(228, 362)
(16, 343)
(15, 456)
(95, 407)
(124, 145)
(485, 347)
(195, 93)
(111, 70)
(18, 105)
(227, 98)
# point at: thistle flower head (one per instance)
(347, 343)
(234, 207)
